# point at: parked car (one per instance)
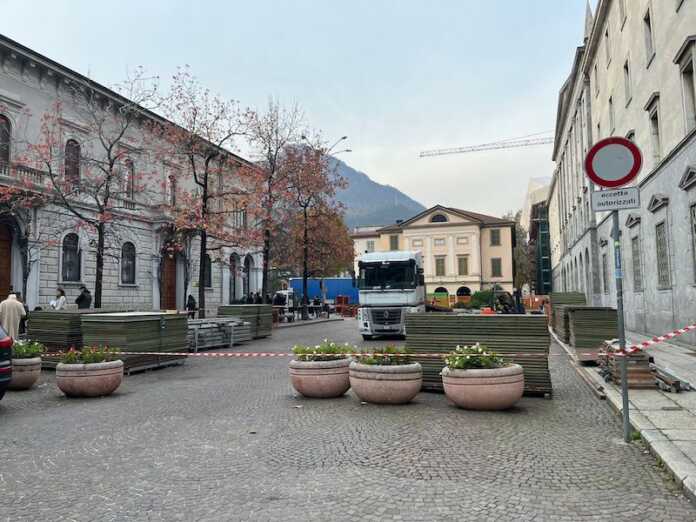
(5, 361)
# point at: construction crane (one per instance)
(523, 141)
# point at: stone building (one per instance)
(48, 248)
(633, 77)
(463, 252)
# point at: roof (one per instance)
(482, 219)
(357, 235)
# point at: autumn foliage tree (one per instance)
(92, 154)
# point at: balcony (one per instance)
(23, 173)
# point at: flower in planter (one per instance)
(27, 349)
(326, 351)
(388, 356)
(89, 355)
(477, 356)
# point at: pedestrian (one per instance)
(59, 302)
(23, 320)
(84, 300)
(191, 307)
(250, 298)
(257, 299)
(11, 313)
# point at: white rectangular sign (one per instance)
(616, 199)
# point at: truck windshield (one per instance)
(396, 276)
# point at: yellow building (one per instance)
(463, 251)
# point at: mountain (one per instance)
(370, 203)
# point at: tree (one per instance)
(312, 186)
(199, 137)
(271, 134)
(523, 253)
(96, 180)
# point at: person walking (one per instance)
(191, 307)
(23, 320)
(84, 300)
(11, 313)
(60, 301)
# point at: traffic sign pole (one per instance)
(612, 163)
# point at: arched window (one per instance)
(171, 191)
(72, 162)
(438, 218)
(234, 264)
(130, 179)
(208, 276)
(128, 264)
(441, 290)
(71, 258)
(248, 268)
(5, 138)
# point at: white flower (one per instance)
(317, 346)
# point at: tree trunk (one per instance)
(99, 278)
(305, 269)
(202, 269)
(264, 270)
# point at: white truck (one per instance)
(390, 284)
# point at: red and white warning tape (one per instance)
(661, 338)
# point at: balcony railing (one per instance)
(22, 172)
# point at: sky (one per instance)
(395, 76)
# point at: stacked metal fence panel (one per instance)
(138, 332)
(260, 317)
(589, 327)
(220, 332)
(559, 314)
(524, 337)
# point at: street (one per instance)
(226, 439)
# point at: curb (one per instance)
(676, 463)
(295, 324)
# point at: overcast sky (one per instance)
(396, 76)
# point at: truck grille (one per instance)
(385, 316)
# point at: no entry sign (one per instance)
(613, 162)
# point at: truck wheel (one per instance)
(367, 337)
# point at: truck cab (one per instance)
(390, 284)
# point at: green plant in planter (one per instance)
(477, 356)
(388, 356)
(89, 355)
(325, 351)
(27, 349)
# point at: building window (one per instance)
(462, 240)
(495, 237)
(627, 82)
(693, 237)
(654, 115)
(463, 265)
(417, 243)
(370, 246)
(438, 218)
(439, 242)
(648, 35)
(496, 267)
(662, 253)
(689, 90)
(129, 182)
(71, 258)
(440, 266)
(605, 274)
(72, 162)
(612, 123)
(128, 264)
(238, 217)
(208, 269)
(607, 47)
(171, 190)
(5, 139)
(635, 258)
(393, 242)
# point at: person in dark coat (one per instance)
(258, 299)
(250, 298)
(191, 307)
(23, 320)
(84, 300)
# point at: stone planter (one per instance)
(320, 379)
(386, 384)
(494, 389)
(89, 380)
(25, 373)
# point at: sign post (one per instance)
(612, 163)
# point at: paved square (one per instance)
(226, 439)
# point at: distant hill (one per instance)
(371, 203)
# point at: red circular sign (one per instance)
(613, 162)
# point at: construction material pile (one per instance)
(220, 332)
(589, 327)
(260, 317)
(639, 373)
(524, 337)
(559, 315)
(138, 332)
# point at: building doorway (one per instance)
(168, 293)
(5, 261)
(234, 267)
(248, 269)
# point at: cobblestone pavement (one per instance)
(227, 440)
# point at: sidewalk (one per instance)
(299, 322)
(665, 421)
